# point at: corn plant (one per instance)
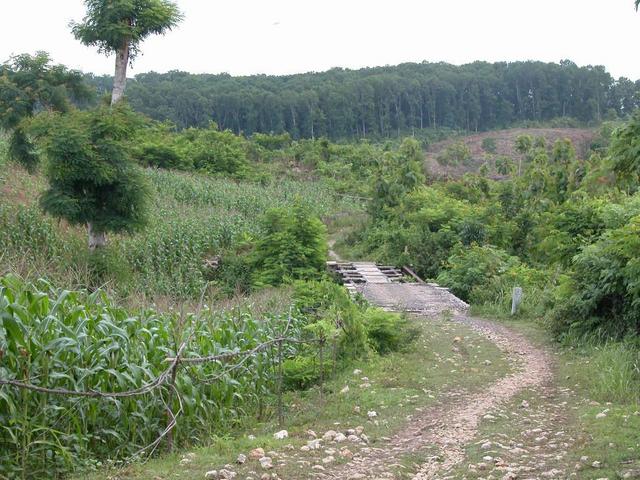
(84, 342)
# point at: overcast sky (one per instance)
(289, 36)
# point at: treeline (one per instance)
(383, 101)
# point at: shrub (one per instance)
(602, 293)
(292, 246)
(454, 154)
(272, 141)
(489, 145)
(474, 267)
(217, 152)
(504, 165)
(303, 371)
(161, 156)
(386, 331)
(325, 301)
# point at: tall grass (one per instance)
(81, 342)
(610, 370)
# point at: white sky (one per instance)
(289, 36)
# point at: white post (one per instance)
(516, 299)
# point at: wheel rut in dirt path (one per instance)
(440, 434)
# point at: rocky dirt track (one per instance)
(441, 434)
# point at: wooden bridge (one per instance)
(396, 289)
(355, 275)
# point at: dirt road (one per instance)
(443, 432)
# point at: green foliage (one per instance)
(161, 156)
(194, 219)
(455, 154)
(329, 302)
(293, 246)
(524, 144)
(272, 141)
(398, 174)
(29, 84)
(83, 342)
(484, 275)
(563, 152)
(197, 217)
(110, 24)
(91, 176)
(474, 268)
(216, 152)
(625, 152)
(386, 102)
(386, 331)
(489, 145)
(602, 293)
(23, 232)
(614, 368)
(301, 372)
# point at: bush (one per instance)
(303, 371)
(489, 145)
(216, 152)
(108, 266)
(386, 331)
(234, 273)
(474, 268)
(454, 154)
(602, 293)
(161, 156)
(272, 141)
(293, 246)
(325, 301)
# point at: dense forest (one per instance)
(383, 101)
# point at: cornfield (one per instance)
(82, 342)
(192, 218)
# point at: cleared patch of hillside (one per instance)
(504, 146)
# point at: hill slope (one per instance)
(504, 146)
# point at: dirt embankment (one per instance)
(505, 145)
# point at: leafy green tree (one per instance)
(602, 295)
(455, 154)
(92, 179)
(398, 173)
(378, 103)
(292, 247)
(625, 152)
(563, 152)
(489, 145)
(524, 145)
(504, 165)
(120, 26)
(28, 84)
